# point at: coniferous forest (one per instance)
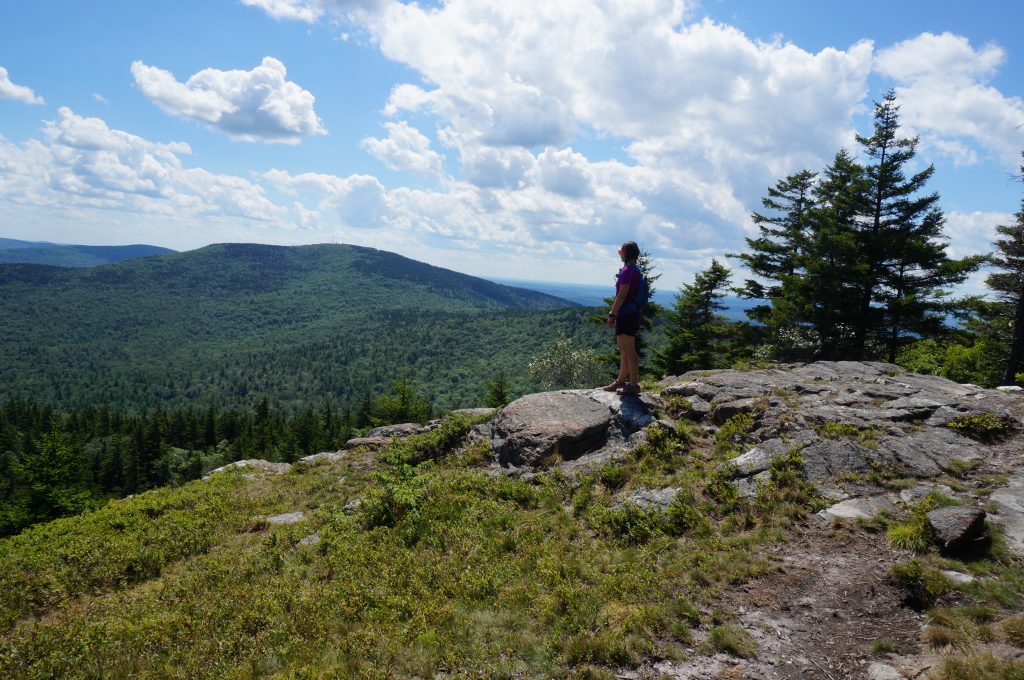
(149, 372)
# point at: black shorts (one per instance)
(627, 324)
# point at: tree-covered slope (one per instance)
(228, 322)
(58, 255)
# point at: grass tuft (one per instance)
(733, 640)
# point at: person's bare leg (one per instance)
(628, 355)
(623, 357)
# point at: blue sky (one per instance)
(522, 140)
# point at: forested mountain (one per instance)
(30, 252)
(229, 324)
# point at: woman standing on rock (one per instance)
(624, 317)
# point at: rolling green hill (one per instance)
(29, 252)
(232, 323)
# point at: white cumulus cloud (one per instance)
(19, 93)
(942, 87)
(405, 148)
(83, 163)
(256, 105)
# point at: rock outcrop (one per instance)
(540, 430)
(843, 417)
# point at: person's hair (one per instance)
(631, 250)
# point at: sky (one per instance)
(523, 140)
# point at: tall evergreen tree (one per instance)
(1008, 282)
(776, 253)
(833, 270)
(776, 256)
(900, 236)
(697, 333)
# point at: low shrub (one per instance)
(729, 438)
(984, 427)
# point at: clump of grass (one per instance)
(629, 522)
(867, 436)
(883, 647)
(924, 585)
(959, 467)
(943, 636)
(958, 626)
(985, 666)
(733, 640)
(664, 442)
(677, 404)
(916, 534)
(787, 492)
(1013, 629)
(984, 427)
(726, 497)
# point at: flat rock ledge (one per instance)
(566, 428)
(257, 465)
(820, 408)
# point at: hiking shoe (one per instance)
(628, 388)
(615, 386)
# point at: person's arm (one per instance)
(620, 299)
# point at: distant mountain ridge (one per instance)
(230, 322)
(66, 255)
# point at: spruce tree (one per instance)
(776, 252)
(697, 333)
(497, 390)
(833, 271)
(777, 255)
(905, 266)
(1008, 282)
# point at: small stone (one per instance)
(957, 577)
(921, 490)
(286, 518)
(254, 463)
(648, 499)
(326, 456)
(859, 508)
(369, 442)
(882, 671)
(312, 539)
(1009, 388)
(400, 430)
(723, 412)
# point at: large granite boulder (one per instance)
(543, 429)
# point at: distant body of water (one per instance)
(593, 295)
